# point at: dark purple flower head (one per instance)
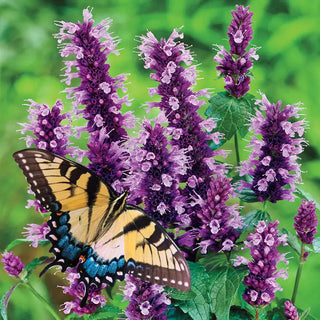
(77, 290)
(306, 221)
(12, 264)
(147, 301)
(218, 221)
(48, 131)
(240, 31)
(235, 66)
(273, 159)
(36, 233)
(263, 274)
(154, 172)
(290, 311)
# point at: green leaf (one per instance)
(198, 308)
(232, 114)
(293, 241)
(224, 284)
(181, 295)
(305, 195)
(213, 260)
(5, 301)
(247, 195)
(107, 312)
(22, 240)
(31, 266)
(237, 313)
(252, 218)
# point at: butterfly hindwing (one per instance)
(157, 257)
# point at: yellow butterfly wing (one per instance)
(64, 185)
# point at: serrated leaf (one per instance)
(197, 308)
(292, 241)
(232, 114)
(107, 312)
(247, 195)
(5, 301)
(224, 284)
(213, 260)
(181, 295)
(31, 266)
(316, 245)
(252, 218)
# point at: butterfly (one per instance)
(93, 228)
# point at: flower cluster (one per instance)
(154, 172)
(180, 104)
(97, 91)
(77, 290)
(147, 301)
(306, 221)
(12, 264)
(235, 66)
(273, 159)
(48, 131)
(36, 233)
(290, 311)
(218, 221)
(263, 274)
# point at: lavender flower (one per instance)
(219, 222)
(273, 160)
(36, 233)
(155, 169)
(48, 132)
(290, 311)
(180, 104)
(97, 91)
(261, 280)
(77, 290)
(147, 301)
(12, 264)
(235, 66)
(306, 221)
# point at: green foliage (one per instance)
(252, 218)
(232, 114)
(5, 300)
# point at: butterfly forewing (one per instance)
(56, 180)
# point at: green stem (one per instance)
(236, 146)
(298, 275)
(257, 314)
(43, 300)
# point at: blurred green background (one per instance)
(288, 69)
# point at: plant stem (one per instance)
(236, 146)
(42, 299)
(257, 314)
(298, 275)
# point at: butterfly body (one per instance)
(93, 228)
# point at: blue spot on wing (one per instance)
(61, 231)
(64, 241)
(113, 266)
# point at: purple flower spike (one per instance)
(36, 233)
(290, 311)
(235, 66)
(219, 222)
(12, 264)
(77, 290)
(155, 170)
(306, 221)
(263, 274)
(147, 301)
(273, 159)
(45, 124)
(98, 91)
